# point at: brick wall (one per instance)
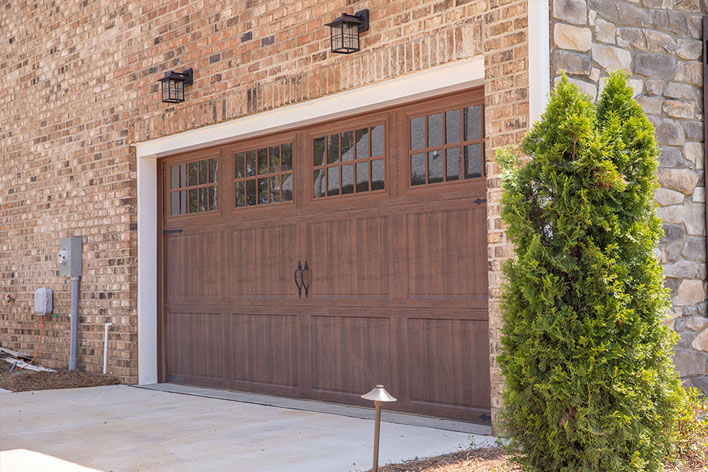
(659, 44)
(80, 88)
(506, 121)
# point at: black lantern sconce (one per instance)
(344, 31)
(173, 84)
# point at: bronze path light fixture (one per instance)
(344, 31)
(173, 84)
(379, 396)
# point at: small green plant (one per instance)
(590, 385)
(692, 431)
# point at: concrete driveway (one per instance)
(123, 428)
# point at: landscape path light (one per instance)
(379, 396)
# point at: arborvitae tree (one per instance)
(590, 385)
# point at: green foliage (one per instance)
(692, 442)
(590, 385)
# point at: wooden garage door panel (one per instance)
(397, 273)
(446, 257)
(455, 353)
(264, 349)
(195, 346)
(350, 354)
(349, 257)
(261, 261)
(193, 265)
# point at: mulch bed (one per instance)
(486, 460)
(493, 459)
(25, 380)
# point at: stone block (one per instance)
(633, 37)
(700, 383)
(685, 339)
(687, 5)
(700, 343)
(654, 86)
(679, 109)
(654, 65)
(671, 214)
(694, 323)
(695, 219)
(604, 31)
(571, 11)
(689, 49)
(695, 25)
(699, 195)
(669, 156)
(690, 292)
(691, 72)
(585, 87)
(685, 270)
(576, 38)
(693, 152)
(633, 15)
(651, 104)
(666, 197)
(572, 62)
(659, 19)
(678, 23)
(668, 131)
(656, 41)
(605, 8)
(693, 129)
(690, 363)
(680, 91)
(611, 58)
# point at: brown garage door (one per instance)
(385, 216)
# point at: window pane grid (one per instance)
(263, 176)
(349, 162)
(193, 187)
(446, 146)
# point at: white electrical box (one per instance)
(43, 301)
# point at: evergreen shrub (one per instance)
(587, 358)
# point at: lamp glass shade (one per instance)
(344, 34)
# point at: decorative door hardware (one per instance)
(298, 270)
(171, 231)
(304, 282)
(305, 278)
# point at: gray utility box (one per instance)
(43, 301)
(69, 256)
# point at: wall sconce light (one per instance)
(173, 84)
(344, 31)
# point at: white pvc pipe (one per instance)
(105, 345)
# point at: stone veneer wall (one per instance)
(658, 42)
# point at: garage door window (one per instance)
(193, 187)
(446, 146)
(349, 162)
(264, 176)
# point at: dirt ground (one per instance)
(24, 380)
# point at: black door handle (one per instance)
(305, 274)
(299, 269)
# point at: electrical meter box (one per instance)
(43, 301)
(69, 256)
